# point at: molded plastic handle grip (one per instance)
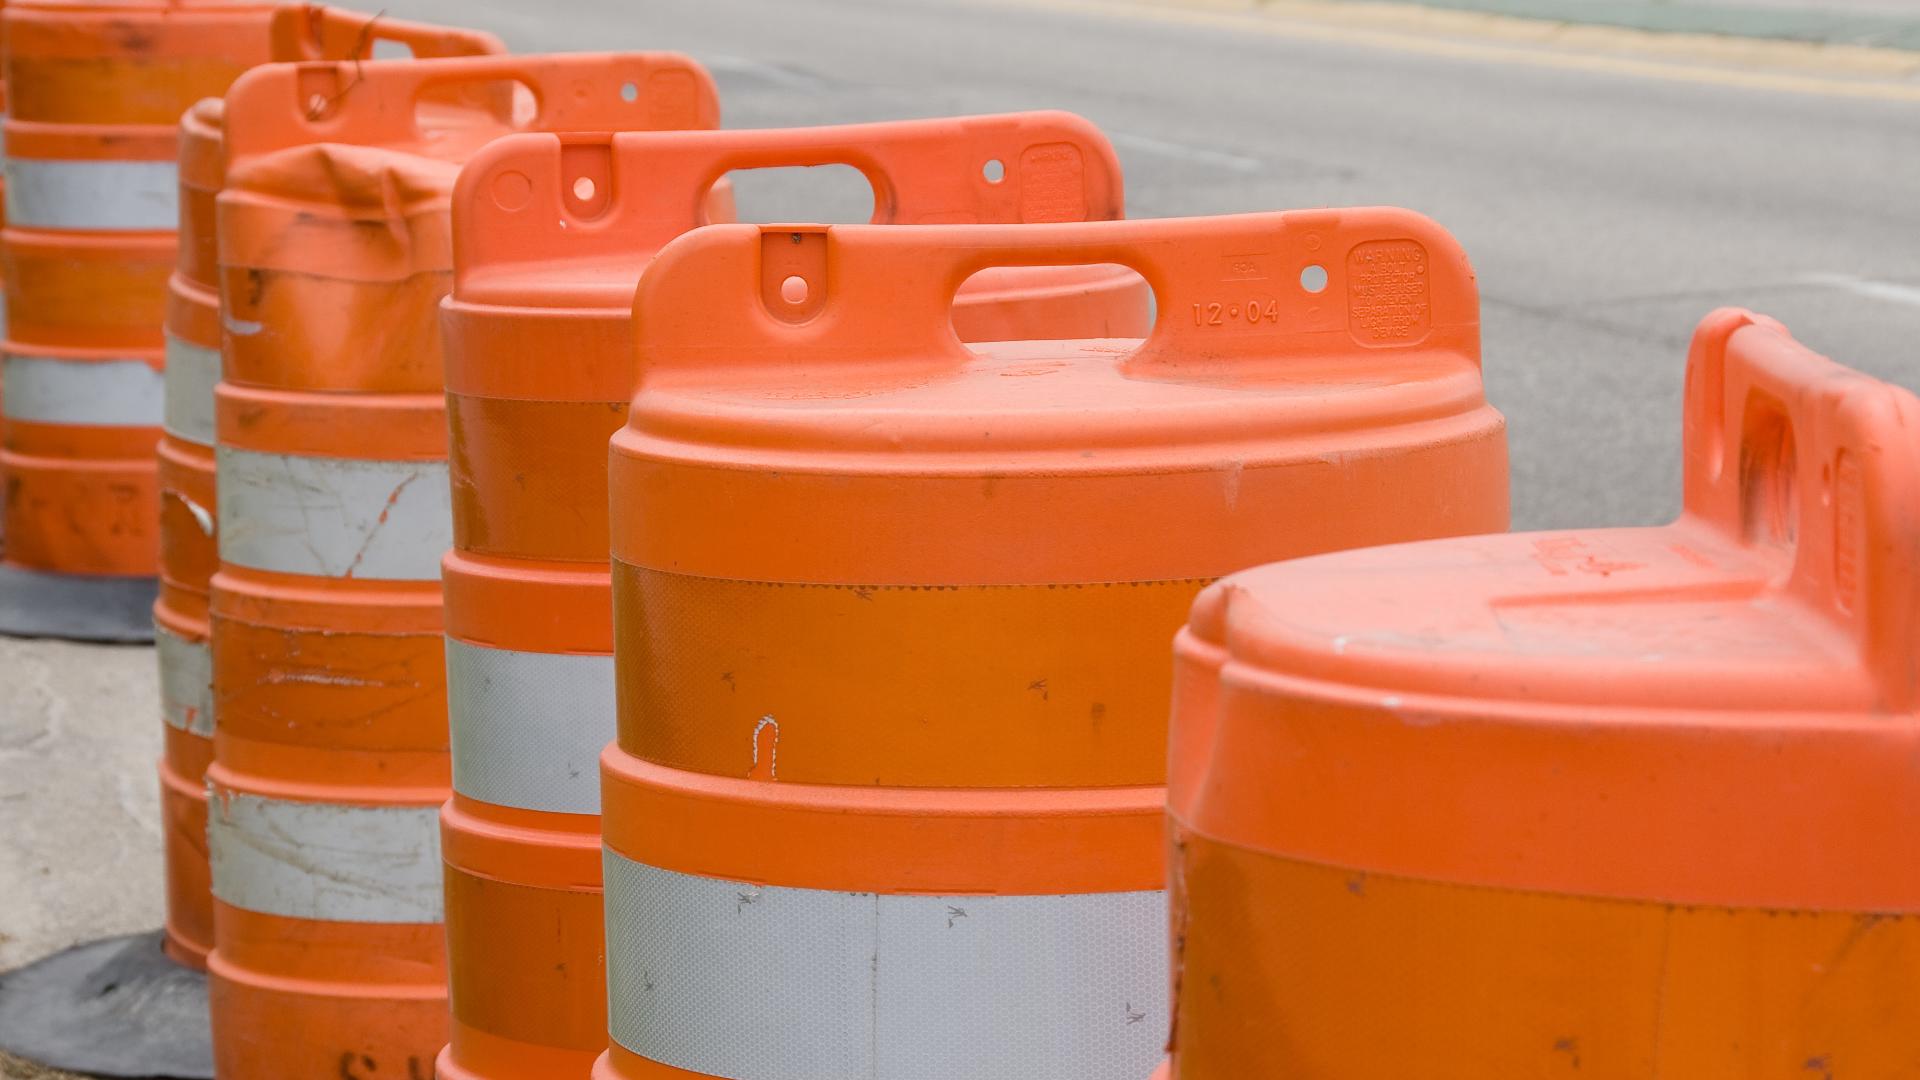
(315, 32)
(1229, 289)
(1787, 449)
(373, 102)
(535, 197)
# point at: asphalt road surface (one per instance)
(1604, 212)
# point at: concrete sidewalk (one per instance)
(79, 802)
(79, 798)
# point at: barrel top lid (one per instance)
(1327, 325)
(1786, 586)
(289, 124)
(569, 220)
(1077, 399)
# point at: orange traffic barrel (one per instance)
(539, 357)
(330, 755)
(185, 458)
(891, 613)
(96, 91)
(3, 224)
(1610, 803)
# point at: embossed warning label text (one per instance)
(1052, 183)
(1388, 292)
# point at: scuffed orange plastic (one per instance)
(188, 552)
(996, 541)
(3, 225)
(1610, 803)
(98, 82)
(334, 254)
(539, 355)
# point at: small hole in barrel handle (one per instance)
(1769, 491)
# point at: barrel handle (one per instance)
(1229, 289)
(535, 197)
(279, 106)
(1817, 465)
(921, 171)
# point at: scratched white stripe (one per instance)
(93, 195)
(103, 393)
(192, 371)
(310, 860)
(760, 982)
(333, 517)
(528, 727)
(186, 682)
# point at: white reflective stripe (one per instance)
(93, 195)
(333, 517)
(765, 983)
(192, 371)
(371, 864)
(105, 393)
(186, 682)
(528, 727)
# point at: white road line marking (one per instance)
(776, 74)
(1187, 153)
(1873, 290)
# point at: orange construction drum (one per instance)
(328, 669)
(1610, 803)
(891, 614)
(187, 505)
(3, 223)
(96, 91)
(540, 368)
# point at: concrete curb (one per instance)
(1869, 70)
(1807, 24)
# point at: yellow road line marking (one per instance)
(1290, 26)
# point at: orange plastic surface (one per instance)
(188, 542)
(129, 64)
(1617, 800)
(293, 997)
(539, 354)
(994, 540)
(334, 254)
(104, 83)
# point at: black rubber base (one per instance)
(117, 1007)
(76, 607)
